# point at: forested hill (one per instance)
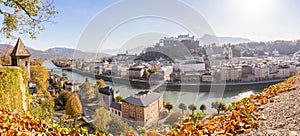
(284, 47)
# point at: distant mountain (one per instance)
(209, 39)
(56, 52)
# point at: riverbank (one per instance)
(139, 84)
(171, 86)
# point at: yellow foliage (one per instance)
(73, 106)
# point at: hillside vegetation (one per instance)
(10, 88)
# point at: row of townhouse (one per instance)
(256, 72)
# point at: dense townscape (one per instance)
(196, 67)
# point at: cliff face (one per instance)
(13, 93)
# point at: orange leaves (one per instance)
(235, 114)
(24, 125)
(241, 117)
(265, 100)
(247, 130)
(272, 99)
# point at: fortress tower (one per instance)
(20, 57)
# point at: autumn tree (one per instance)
(169, 106)
(73, 107)
(116, 126)
(102, 118)
(219, 106)
(100, 84)
(25, 16)
(192, 107)
(183, 107)
(42, 105)
(203, 107)
(119, 98)
(40, 76)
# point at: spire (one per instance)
(20, 50)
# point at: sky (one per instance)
(257, 20)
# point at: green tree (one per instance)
(87, 91)
(169, 106)
(219, 106)
(25, 16)
(102, 118)
(146, 74)
(200, 115)
(183, 107)
(100, 84)
(116, 126)
(203, 107)
(119, 98)
(74, 107)
(192, 107)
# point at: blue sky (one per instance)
(258, 20)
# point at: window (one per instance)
(131, 116)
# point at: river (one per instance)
(175, 97)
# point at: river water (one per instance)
(175, 97)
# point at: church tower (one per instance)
(20, 57)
